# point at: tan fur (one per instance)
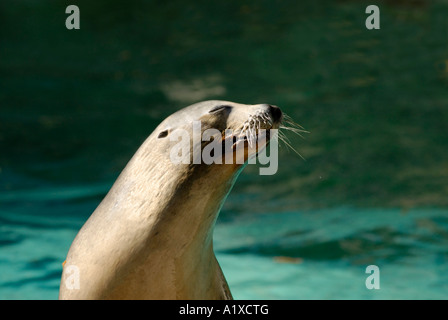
(152, 235)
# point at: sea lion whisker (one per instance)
(289, 125)
(286, 141)
(295, 130)
(288, 120)
(250, 136)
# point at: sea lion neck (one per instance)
(181, 199)
(199, 198)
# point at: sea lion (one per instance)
(151, 236)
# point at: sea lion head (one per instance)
(218, 129)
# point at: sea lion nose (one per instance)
(275, 112)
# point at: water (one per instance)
(331, 250)
(75, 105)
(314, 254)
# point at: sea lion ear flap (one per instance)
(164, 133)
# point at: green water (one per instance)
(76, 104)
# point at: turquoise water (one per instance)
(314, 254)
(372, 187)
(333, 248)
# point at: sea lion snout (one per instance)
(276, 113)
